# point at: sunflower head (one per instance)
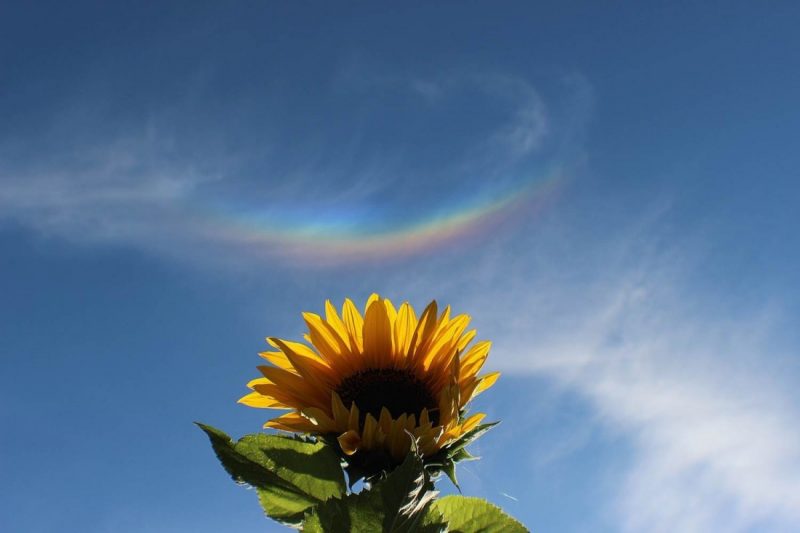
(370, 383)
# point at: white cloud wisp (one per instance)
(700, 391)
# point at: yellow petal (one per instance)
(473, 360)
(448, 404)
(403, 330)
(332, 317)
(411, 423)
(424, 418)
(312, 368)
(323, 422)
(258, 381)
(466, 338)
(278, 359)
(354, 421)
(391, 314)
(486, 381)
(377, 336)
(255, 399)
(340, 413)
(325, 339)
(390, 310)
(295, 385)
(350, 442)
(422, 333)
(354, 324)
(369, 435)
(443, 349)
(297, 347)
(281, 395)
(292, 422)
(374, 297)
(385, 420)
(444, 318)
(472, 422)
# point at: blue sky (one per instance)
(178, 182)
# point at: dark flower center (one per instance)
(399, 391)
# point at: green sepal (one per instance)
(455, 447)
(445, 460)
(449, 468)
(290, 474)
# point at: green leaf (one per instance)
(472, 515)
(356, 513)
(291, 475)
(310, 466)
(395, 504)
(285, 507)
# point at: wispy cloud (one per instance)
(117, 190)
(698, 389)
(529, 125)
(144, 187)
(700, 397)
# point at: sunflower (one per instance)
(367, 382)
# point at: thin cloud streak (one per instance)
(697, 389)
(151, 192)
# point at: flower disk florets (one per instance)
(399, 391)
